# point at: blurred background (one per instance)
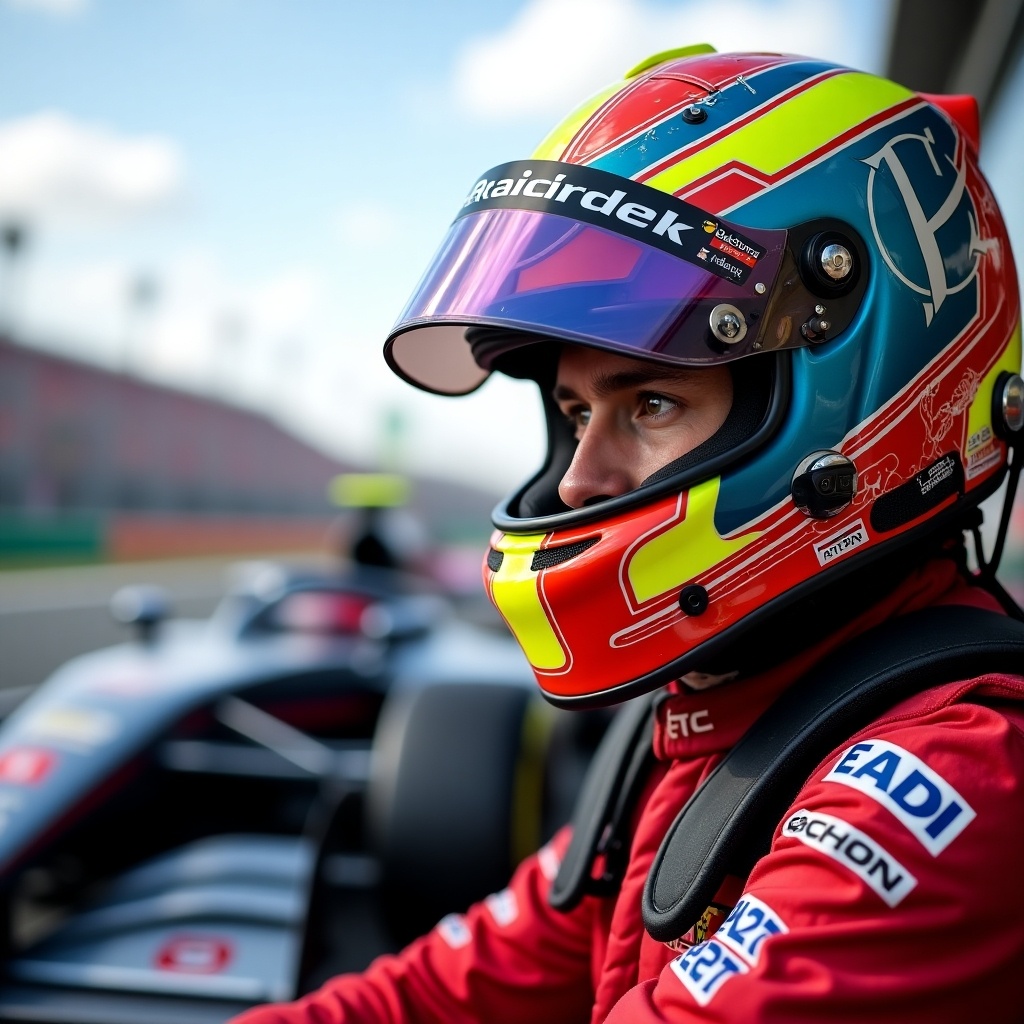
(211, 211)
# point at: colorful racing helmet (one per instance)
(825, 233)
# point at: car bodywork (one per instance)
(218, 813)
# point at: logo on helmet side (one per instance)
(939, 210)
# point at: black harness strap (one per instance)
(729, 821)
(610, 791)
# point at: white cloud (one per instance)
(61, 171)
(58, 8)
(555, 53)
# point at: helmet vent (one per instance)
(494, 559)
(545, 558)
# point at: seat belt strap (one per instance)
(610, 791)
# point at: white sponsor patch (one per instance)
(848, 846)
(748, 925)
(705, 968)
(681, 725)
(848, 539)
(979, 461)
(933, 811)
(549, 862)
(503, 906)
(454, 930)
(979, 440)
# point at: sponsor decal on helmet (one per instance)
(628, 207)
(933, 188)
(982, 453)
(842, 543)
(931, 809)
(846, 845)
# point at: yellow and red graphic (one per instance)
(584, 605)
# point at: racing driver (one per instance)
(773, 314)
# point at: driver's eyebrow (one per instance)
(605, 384)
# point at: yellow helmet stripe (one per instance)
(685, 550)
(515, 590)
(780, 137)
(979, 419)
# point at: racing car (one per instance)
(225, 812)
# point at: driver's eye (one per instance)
(578, 416)
(657, 405)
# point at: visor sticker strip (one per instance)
(629, 208)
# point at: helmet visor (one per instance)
(584, 256)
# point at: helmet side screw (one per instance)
(727, 324)
(815, 328)
(693, 599)
(694, 114)
(836, 261)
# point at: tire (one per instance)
(442, 798)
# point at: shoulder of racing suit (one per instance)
(729, 822)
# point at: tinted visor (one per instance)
(568, 252)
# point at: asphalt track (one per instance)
(50, 615)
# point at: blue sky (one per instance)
(282, 171)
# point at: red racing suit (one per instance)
(893, 890)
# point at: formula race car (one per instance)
(225, 812)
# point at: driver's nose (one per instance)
(599, 469)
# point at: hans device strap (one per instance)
(730, 820)
(610, 791)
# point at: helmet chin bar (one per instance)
(755, 644)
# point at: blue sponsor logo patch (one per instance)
(748, 925)
(704, 969)
(930, 808)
